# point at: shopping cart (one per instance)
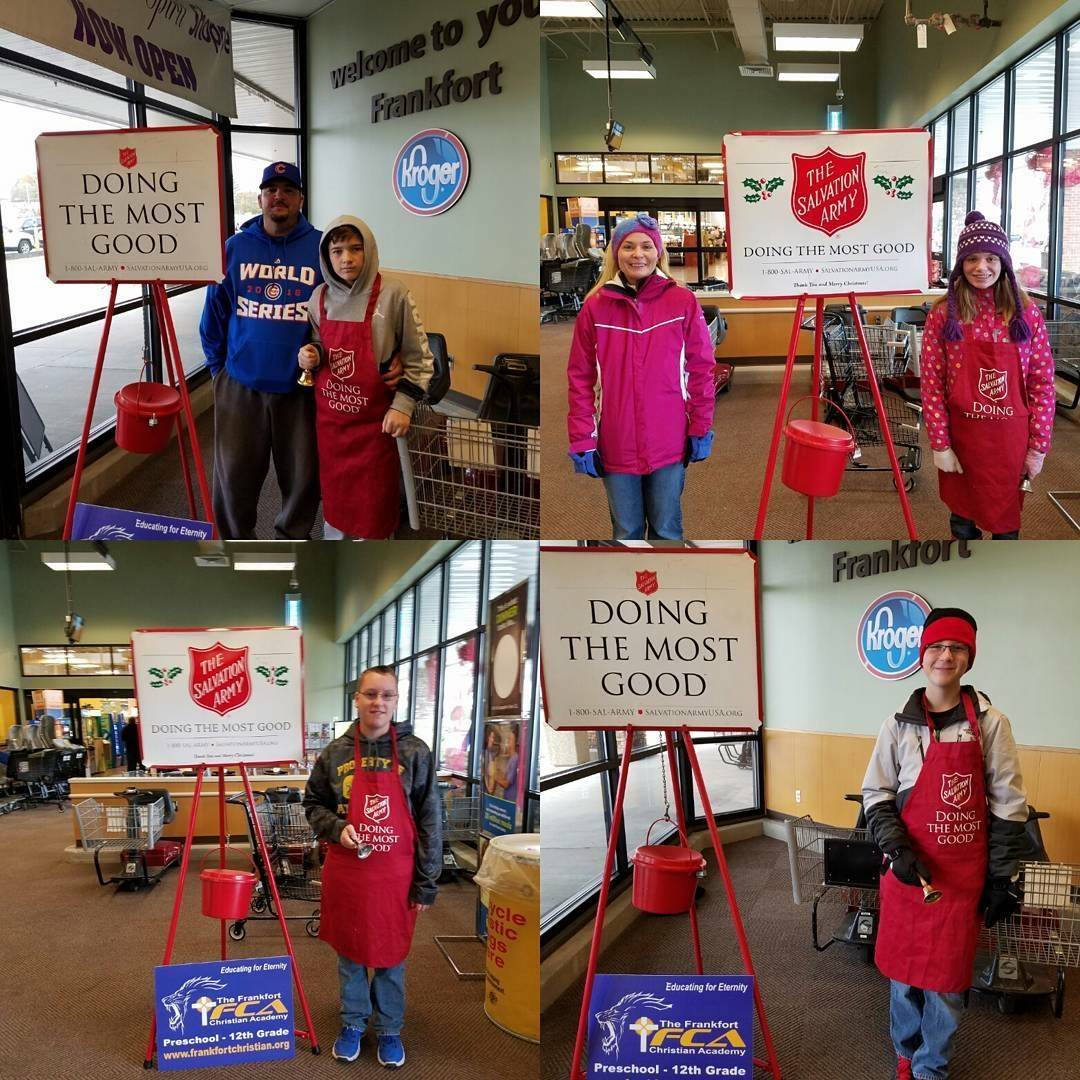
(845, 387)
(838, 870)
(294, 858)
(471, 478)
(460, 824)
(129, 830)
(1065, 348)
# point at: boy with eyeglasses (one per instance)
(373, 795)
(945, 802)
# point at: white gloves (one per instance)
(946, 461)
(1033, 463)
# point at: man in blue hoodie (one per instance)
(252, 326)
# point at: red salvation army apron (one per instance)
(365, 911)
(358, 464)
(932, 946)
(988, 428)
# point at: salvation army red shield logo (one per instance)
(646, 582)
(342, 363)
(128, 158)
(376, 807)
(220, 678)
(993, 384)
(829, 190)
(956, 788)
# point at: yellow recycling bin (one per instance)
(510, 878)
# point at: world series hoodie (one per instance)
(255, 321)
(395, 322)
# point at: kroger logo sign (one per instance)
(431, 172)
(889, 633)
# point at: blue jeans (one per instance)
(966, 529)
(646, 507)
(382, 1000)
(923, 1025)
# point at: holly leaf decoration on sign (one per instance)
(762, 189)
(163, 676)
(894, 186)
(273, 675)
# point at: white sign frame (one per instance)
(774, 254)
(576, 583)
(178, 732)
(190, 155)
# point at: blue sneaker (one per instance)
(391, 1051)
(347, 1047)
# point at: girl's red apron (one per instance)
(358, 464)
(365, 912)
(988, 430)
(932, 946)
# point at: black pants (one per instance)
(250, 426)
(965, 529)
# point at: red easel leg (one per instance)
(772, 1063)
(166, 352)
(148, 1062)
(221, 851)
(879, 405)
(185, 399)
(673, 768)
(815, 389)
(73, 498)
(265, 856)
(774, 445)
(576, 1072)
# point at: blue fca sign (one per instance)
(430, 172)
(889, 634)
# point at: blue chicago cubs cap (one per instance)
(281, 170)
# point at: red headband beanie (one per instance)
(949, 624)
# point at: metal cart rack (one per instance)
(129, 830)
(837, 870)
(471, 478)
(460, 822)
(1065, 347)
(1027, 954)
(295, 861)
(846, 387)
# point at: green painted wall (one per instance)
(1023, 596)
(697, 96)
(914, 84)
(352, 159)
(9, 656)
(158, 584)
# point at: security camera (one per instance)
(839, 93)
(73, 627)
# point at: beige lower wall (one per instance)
(479, 319)
(823, 768)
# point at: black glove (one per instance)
(906, 867)
(1001, 898)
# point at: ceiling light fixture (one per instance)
(620, 69)
(807, 72)
(572, 9)
(817, 37)
(263, 560)
(78, 560)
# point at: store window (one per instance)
(1072, 80)
(263, 57)
(1033, 112)
(988, 181)
(429, 609)
(1029, 216)
(75, 660)
(1069, 237)
(672, 168)
(961, 128)
(940, 132)
(958, 199)
(573, 838)
(990, 121)
(710, 169)
(579, 168)
(251, 152)
(626, 169)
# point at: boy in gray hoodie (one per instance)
(359, 320)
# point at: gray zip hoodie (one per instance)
(395, 322)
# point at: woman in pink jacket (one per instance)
(640, 385)
(987, 387)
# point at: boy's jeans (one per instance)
(653, 499)
(923, 1025)
(382, 1001)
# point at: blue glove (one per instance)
(586, 462)
(699, 447)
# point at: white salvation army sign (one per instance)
(822, 213)
(137, 204)
(649, 638)
(221, 696)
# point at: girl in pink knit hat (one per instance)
(987, 387)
